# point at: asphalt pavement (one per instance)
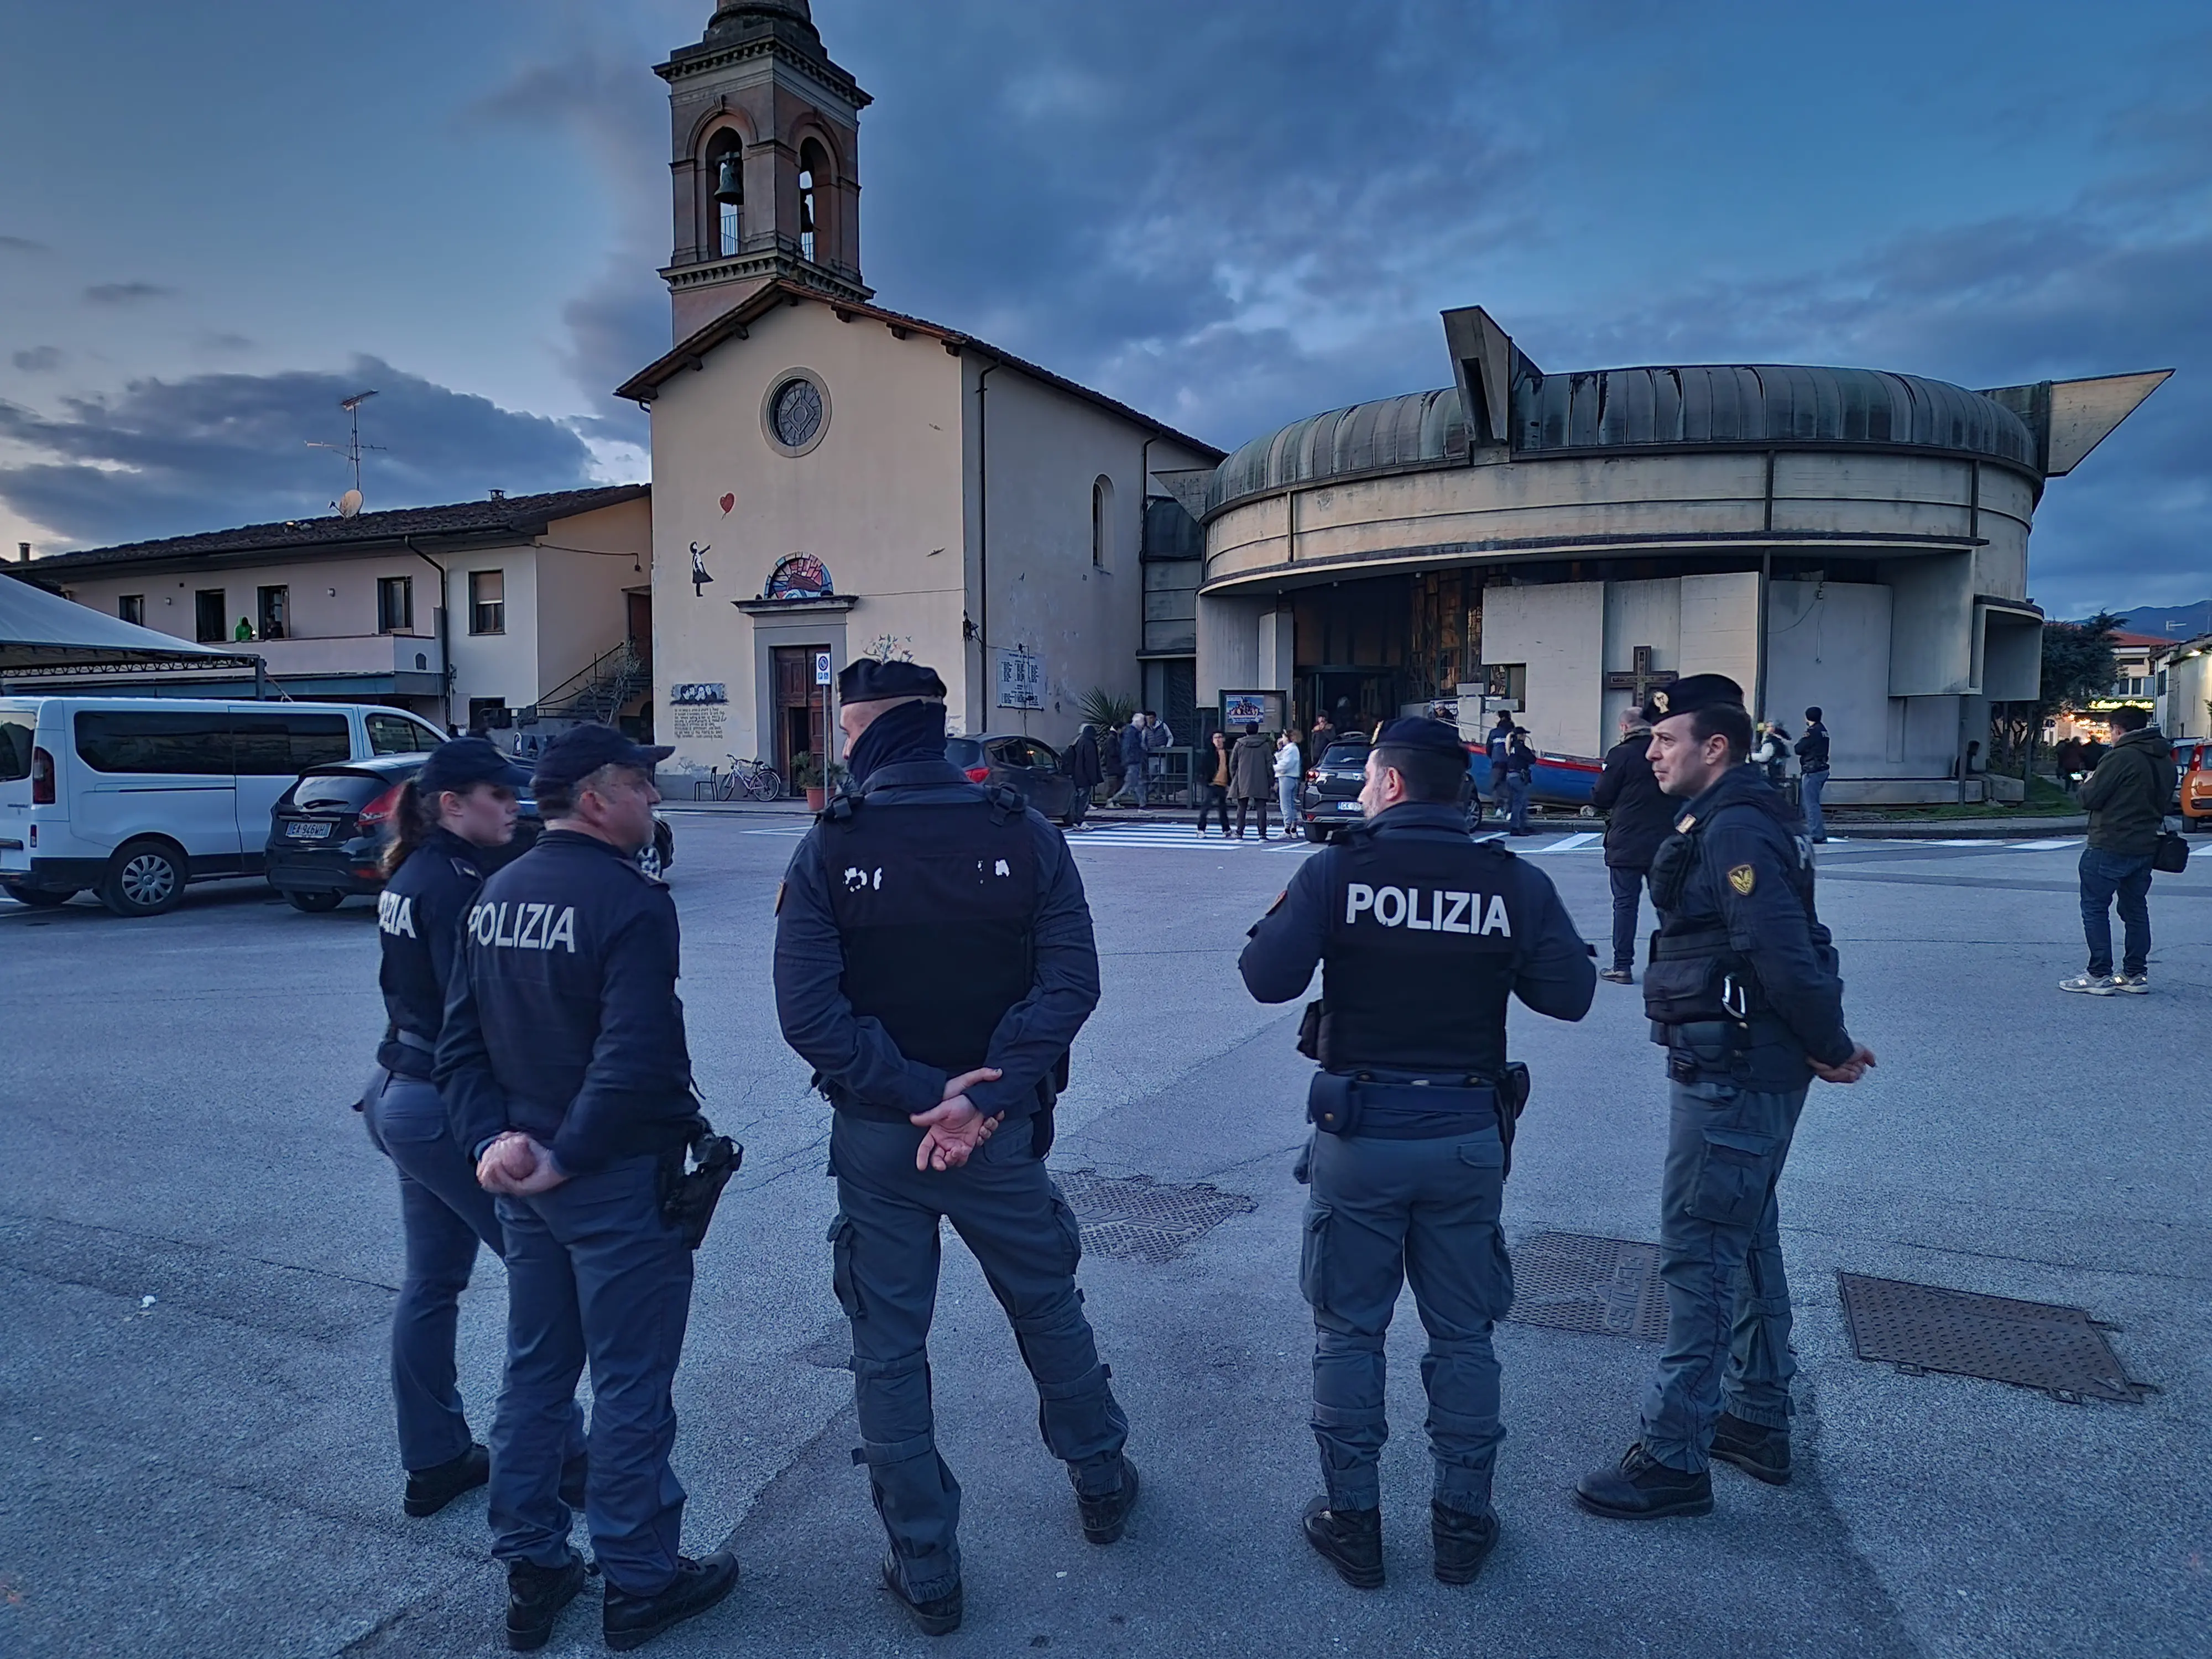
(198, 1251)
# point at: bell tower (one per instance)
(764, 148)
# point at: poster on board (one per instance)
(1262, 708)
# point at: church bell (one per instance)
(730, 178)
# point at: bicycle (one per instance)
(759, 780)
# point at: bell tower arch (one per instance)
(764, 162)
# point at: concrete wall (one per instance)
(1229, 632)
(1720, 628)
(1828, 645)
(316, 611)
(1557, 631)
(1647, 613)
(581, 613)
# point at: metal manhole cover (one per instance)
(1139, 1220)
(2032, 1345)
(1578, 1282)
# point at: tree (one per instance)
(1104, 710)
(2077, 662)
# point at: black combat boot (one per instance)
(630, 1621)
(535, 1596)
(1463, 1542)
(1759, 1451)
(1106, 1515)
(1351, 1541)
(431, 1490)
(1643, 1489)
(938, 1616)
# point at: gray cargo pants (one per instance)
(884, 1253)
(1728, 1298)
(1383, 1213)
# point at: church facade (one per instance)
(1559, 544)
(832, 479)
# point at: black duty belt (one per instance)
(414, 1043)
(1400, 1106)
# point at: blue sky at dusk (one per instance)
(217, 219)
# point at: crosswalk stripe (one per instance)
(1570, 843)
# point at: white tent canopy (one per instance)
(41, 631)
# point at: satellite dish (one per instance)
(350, 504)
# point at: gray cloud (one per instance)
(123, 294)
(226, 343)
(165, 457)
(39, 359)
(22, 244)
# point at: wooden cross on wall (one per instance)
(1640, 679)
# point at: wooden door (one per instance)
(799, 707)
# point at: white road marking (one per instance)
(1570, 843)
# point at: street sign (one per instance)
(1021, 680)
(822, 668)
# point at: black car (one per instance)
(1331, 796)
(327, 831)
(1031, 767)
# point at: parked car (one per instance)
(1033, 769)
(2192, 765)
(327, 831)
(1331, 795)
(136, 797)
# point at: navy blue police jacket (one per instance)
(1753, 854)
(1552, 971)
(853, 1053)
(418, 924)
(563, 1021)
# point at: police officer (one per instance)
(1741, 987)
(933, 962)
(564, 1063)
(452, 817)
(1422, 934)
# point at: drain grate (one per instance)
(2032, 1345)
(1139, 1220)
(1579, 1282)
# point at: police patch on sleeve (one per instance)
(1743, 879)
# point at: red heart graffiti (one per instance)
(728, 502)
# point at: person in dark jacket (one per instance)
(564, 1063)
(1252, 777)
(2127, 797)
(1813, 774)
(1211, 782)
(1084, 772)
(1520, 768)
(1133, 752)
(1637, 818)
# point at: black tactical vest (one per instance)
(1695, 974)
(1424, 940)
(936, 907)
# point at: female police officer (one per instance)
(459, 807)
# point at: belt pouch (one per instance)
(1333, 1103)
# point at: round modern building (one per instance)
(1848, 538)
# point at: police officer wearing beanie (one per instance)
(564, 1063)
(933, 962)
(1742, 988)
(1422, 934)
(453, 818)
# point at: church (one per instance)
(833, 478)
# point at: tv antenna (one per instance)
(348, 504)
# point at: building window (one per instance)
(488, 714)
(274, 606)
(795, 414)
(395, 605)
(725, 172)
(813, 171)
(209, 610)
(1102, 520)
(487, 602)
(131, 608)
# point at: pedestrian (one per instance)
(1637, 818)
(1323, 734)
(1133, 756)
(1084, 774)
(1813, 774)
(564, 1063)
(1413, 1110)
(1158, 737)
(1289, 774)
(451, 817)
(1251, 778)
(1520, 768)
(937, 1000)
(1742, 988)
(2127, 797)
(2067, 760)
(1771, 754)
(243, 634)
(1212, 785)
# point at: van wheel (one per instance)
(44, 898)
(144, 879)
(315, 904)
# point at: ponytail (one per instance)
(412, 823)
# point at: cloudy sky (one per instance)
(217, 219)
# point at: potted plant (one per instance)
(809, 774)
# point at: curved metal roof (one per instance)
(1697, 406)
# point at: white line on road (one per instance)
(1570, 843)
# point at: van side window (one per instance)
(390, 734)
(194, 745)
(280, 745)
(15, 733)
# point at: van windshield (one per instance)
(16, 734)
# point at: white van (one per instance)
(134, 797)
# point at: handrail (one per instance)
(628, 664)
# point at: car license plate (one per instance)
(307, 829)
